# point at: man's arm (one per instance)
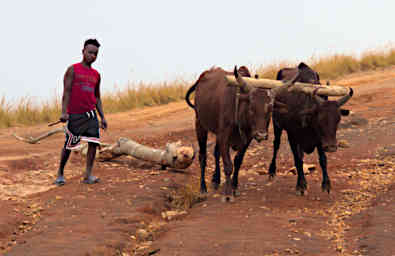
(99, 105)
(67, 84)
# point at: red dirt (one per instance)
(357, 218)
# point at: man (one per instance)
(81, 96)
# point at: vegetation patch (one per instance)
(26, 111)
(184, 196)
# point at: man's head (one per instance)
(90, 51)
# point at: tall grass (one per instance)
(27, 112)
(338, 65)
(142, 95)
(5, 113)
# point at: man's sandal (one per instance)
(91, 180)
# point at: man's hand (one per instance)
(103, 124)
(64, 117)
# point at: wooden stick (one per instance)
(32, 140)
(54, 123)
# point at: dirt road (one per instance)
(132, 211)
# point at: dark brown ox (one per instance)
(234, 124)
(307, 75)
(311, 122)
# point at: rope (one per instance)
(237, 100)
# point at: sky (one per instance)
(157, 41)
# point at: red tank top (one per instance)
(85, 82)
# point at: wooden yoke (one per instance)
(323, 90)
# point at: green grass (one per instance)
(27, 112)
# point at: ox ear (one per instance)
(344, 112)
(318, 77)
(280, 107)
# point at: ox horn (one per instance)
(344, 99)
(318, 98)
(243, 84)
(287, 84)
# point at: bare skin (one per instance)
(89, 56)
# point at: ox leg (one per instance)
(326, 183)
(301, 184)
(201, 134)
(227, 165)
(216, 180)
(237, 163)
(276, 146)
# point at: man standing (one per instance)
(81, 96)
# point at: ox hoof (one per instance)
(203, 189)
(203, 192)
(215, 185)
(272, 176)
(326, 190)
(326, 187)
(301, 192)
(226, 199)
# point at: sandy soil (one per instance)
(130, 211)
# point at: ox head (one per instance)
(325, 117)
(259, 106)
(243, 71)
(308, 75)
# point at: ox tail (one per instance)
(193, 87)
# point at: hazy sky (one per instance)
(153, 41)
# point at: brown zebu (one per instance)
(311, 122)
(234, 124)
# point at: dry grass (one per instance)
(184, 196)
(270, 71)
(27, 112)
(5, 113)
(339, 65)
(141, 95)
